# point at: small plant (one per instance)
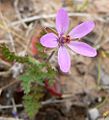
(39, 73)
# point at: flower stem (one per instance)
(50, 56)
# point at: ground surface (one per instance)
(88, 79)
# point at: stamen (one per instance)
(64, 39)
(67, 39)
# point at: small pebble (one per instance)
(93, 114)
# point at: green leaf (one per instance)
(26, 83)
(10, 56)
(32, 101)
(36, 73)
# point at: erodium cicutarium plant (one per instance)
(62, 40)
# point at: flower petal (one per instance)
(82, 29)
(49, 40)
(64, 59)
(62, 21)
(83, 49)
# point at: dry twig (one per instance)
(9, 33)
(38, 17)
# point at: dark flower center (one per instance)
(64, 39)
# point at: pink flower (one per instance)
(51, 40)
